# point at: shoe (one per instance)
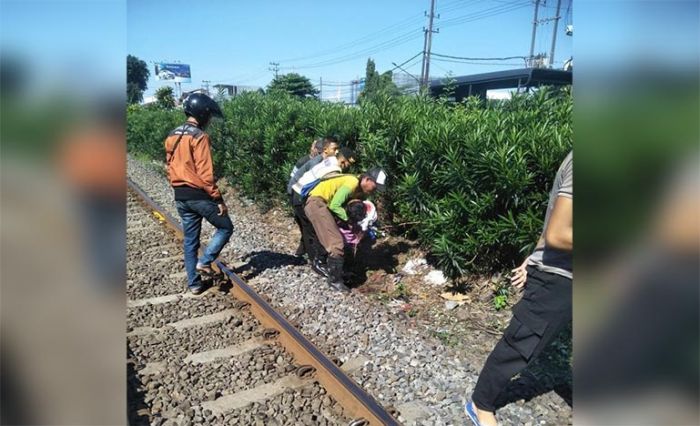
(340, 286)
(470, 411)
(335, 274)
(205, 269)
(319, 267)
(197, 290)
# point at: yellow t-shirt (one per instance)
(335, 192)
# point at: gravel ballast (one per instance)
(406, 367)
(185, 352)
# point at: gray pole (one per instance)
(534, 32)
(275, 67)
(320, 83)
(422, 68)
(554, 35)
(430, 40)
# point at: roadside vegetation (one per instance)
(469, 181)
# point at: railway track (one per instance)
(226, 356)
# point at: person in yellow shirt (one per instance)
(327, 199)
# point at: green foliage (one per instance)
(470, 180)
(165, 97)
(293, 84)
(449, 87)
(147, 128)
(501, 292)
(137, 74)
(401, 292)
(377, 86)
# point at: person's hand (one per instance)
(222, 209)
(519, 276)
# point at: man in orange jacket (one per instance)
(191, 174)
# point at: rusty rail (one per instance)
(358, 403)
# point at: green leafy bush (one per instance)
(470, 180)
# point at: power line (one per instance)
(488, 10)
(477, 63)
(505, 58)
(451, 7)
(245, 77)
(362, 40)
(407, 61)
(486, 13)
(397, 41)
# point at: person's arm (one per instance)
(560, 230)
(336, 205)
(204, 166)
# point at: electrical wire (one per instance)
(456, 5)
(483, 14)
(363, 40)
(505, 58)
(397, 41)
(408, 60)
(476, 63)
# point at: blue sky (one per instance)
(232, 42)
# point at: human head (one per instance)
(373, 179)
(345, 157)
(330, 146)
(317, 147)
(202, 108)
(355, 210)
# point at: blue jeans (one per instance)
(191, 213)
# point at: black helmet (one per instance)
(202, 108)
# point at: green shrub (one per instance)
(470, 179)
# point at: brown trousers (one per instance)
(324, 225)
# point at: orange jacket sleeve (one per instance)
(205, 166)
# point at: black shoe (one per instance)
(335, 274)
(197, 290)
(320, 268)
(201, 288)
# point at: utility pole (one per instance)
(534, 33)
(320, 83)
(275, 67)
(206, 86)
(554, 34)
(427, 43)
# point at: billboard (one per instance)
(178, 73)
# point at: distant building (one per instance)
(518, 79)
(230, 91)
(407, 83)
(184, 95)
(149, 100)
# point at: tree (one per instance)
(165, 97)
(294, 84)
(449, 87)
(376, 84)
(137, 74)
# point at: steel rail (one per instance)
(357, 403)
